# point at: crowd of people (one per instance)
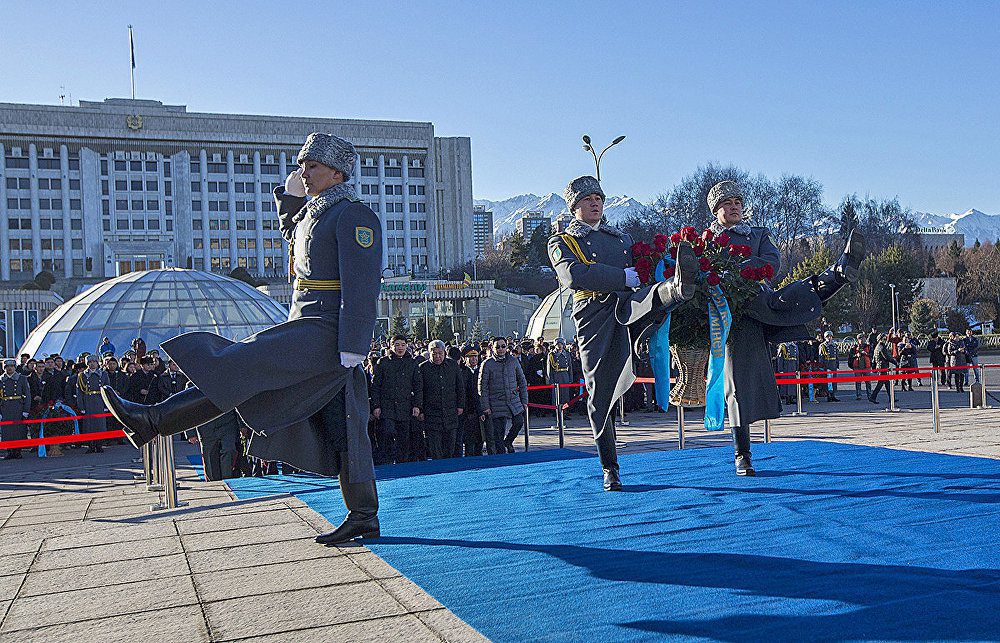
(873, 352)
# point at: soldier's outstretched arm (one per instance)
(359, 244)
(580, 275)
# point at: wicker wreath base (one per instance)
(692, 362)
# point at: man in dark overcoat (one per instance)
(300, 385)
(473, 434)
(170, 381)
(392, 401)
(774, 316)
(15, 406)
(89, 401)
(559, 370)
(612, 313)
(142, 385)
(438, 399)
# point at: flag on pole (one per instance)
(131, 45)
(467, 280)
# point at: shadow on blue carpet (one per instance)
(829, 542)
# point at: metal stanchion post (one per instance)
(982, 380)
(169, 486)
(527, 427)
(767, 431)
(147, 463)
(156, 465)
(680, 426)
(561, 421)
(935, 406)
(621, 408)
(798, 395)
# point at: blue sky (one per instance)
(887, 98)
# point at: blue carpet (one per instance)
(829, 542)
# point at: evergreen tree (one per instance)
(923, 317)
(397, 323)
(477, 334)
(419, 328)
(441, 329)
(955, 321)
(518, 251)
(848, 215)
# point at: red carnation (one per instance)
(746, 251)
(722, 240)
(749, 273)
(661, 238)
(767, 270)
(637, 249)
(668, 272)
(707, 234)
(704, 264)
(699, 250)
(673, 252)
(713, 279)
(675, 237)
(644, 264)
(690, 235)
(686, 230)
(660, 245)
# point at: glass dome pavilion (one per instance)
(547, 322)
(154, 305)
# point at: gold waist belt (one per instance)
(13, 397)
(317, 284)
(586, 294)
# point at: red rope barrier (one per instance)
(69, 418)
(63, 439)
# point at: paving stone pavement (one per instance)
(82, 557)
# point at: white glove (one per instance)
(350, 360)
(631, 278)
(294, 185)
(25, 415)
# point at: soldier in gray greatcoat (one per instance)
(612, 314)
(774, 316)
(15, 406)
(559, 370)
(298, 385)
(89, 401)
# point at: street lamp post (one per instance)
(892, 290)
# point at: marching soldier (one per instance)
(594, 260)
(774, 316)
(299, 385)
(15, 406)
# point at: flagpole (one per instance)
(131, 46)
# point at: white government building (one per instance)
(101, 189)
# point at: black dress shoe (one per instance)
(743, 465)
(349, 530)
(846, 270)
(611, 480)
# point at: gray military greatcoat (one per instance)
(89, 400)
(279, 378)
(608, 315)
(15, 401)
(774, 317)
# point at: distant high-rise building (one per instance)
(561, 222)
(482, 228)
(531, 221)
(105, 188)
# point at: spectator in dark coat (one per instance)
(142, 385)
(935, 346)
(438, 396)
(882, 360)
(172, 381)
(955, 351)
(398, 438)
(473, 435)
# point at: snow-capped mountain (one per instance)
(507, 212)
(973, 224)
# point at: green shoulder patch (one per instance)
(364, 236)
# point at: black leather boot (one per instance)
(361, 499)
(181, 411)
(608, 454)
(682, 286)
(844, 271)
(741, 445)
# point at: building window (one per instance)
(152, 185)
(107, 225)
(166, 168)
(75, 204)
(121, 185)
(76, 224)
(138, 224)
(394, 172)
(196, 186)
(416, 172)
(216, 168)
(135, 166)
(417, 190)
(170, 225)
(104, 167)
(137, 205)
(136, 185)
(168, 206)
(119, 166)
(123, 224)
(199, 244)
(369, 171)
(150, 166)
(195, 167)
(167, 188)
(196, 205)
(153, 205)
(154, 224)
(77, 244)
(74, 184)
(196, 224)
(78, 266)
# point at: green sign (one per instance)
(406, 287)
